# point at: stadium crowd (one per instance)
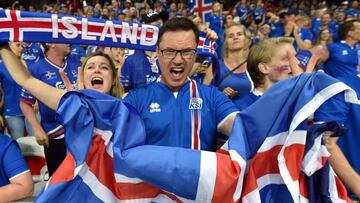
(259, 43)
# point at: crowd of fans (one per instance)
(315, 32)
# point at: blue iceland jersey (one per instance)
(11, 93)
(243, 102)
(343, 60)
(48, 72)
(258, 13)
(12, 162)
(305, 35)
(242, 12)
(240, 82)
(168, 118)
(277, 30)
(32, 53)
(139, 70)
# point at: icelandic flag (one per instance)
(201, 8)
(206, 47)
(27, 26)
(266, 158)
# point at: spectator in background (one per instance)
(16, 122)
(302, 33)
(267, 67)
(326, 23)
(32, 52)
(353, 11)
(50, 133)
(142, 67)
(242, 10)
(325, 37)
(231, 76)
(343, 65)
(215, 23)
(15, 177)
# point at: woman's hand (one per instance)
(79, 82)
(228, 91)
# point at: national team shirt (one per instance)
(352, 13)
(48, 72)
(139, 70)
(215, 23)
(242, 11)
(258, 13)
(343, 59)
(32, 53)
(305, 35)
(277, 30)
(243, 102)
(12, 163)
(11, 92)
(168, 120)
(240, 82)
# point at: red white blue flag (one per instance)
(201, 8)
(269, 156)
(206, 47)
(45, 27)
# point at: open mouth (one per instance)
(176, 71)
(97, 81)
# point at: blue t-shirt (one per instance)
(11, 93)
(240, 82)
(12, 162)
(242, 12)
(139, 70)
(304, 34)
(32, 53)
(343, 60)
(167, 118)
(48, 72)
(258, 13)
(277, 30)
(243, 102)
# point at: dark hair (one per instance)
(346, 27)
(178, 24)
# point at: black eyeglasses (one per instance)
(171, 53)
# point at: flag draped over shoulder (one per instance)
(269, 156)
(53, 28)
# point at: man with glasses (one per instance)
(177, 111)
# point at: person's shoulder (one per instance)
(4, 141)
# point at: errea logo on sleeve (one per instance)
(154, 107)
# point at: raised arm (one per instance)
(45, 93)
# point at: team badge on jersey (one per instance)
(195, 103)
(344, 52)
(154, 107)
(50, 75)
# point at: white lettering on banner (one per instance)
(72, 33)
(68, 30)
(55, 28)
(84, 30)
(144, 30)
(109, 25)
(126, 32)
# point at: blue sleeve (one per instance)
(131, 98)
(13, 162)
(223, 105)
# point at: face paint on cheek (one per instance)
(282, 69)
